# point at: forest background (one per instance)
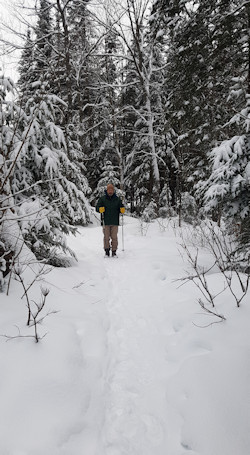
(150, 95)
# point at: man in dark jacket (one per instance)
(110, 206)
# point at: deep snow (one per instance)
(124, 369)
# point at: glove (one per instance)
(122, 210)
(101, 209)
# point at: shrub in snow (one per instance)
(36, 314)
(150, 212)
(189, 208)
(225, 259)
(167, 212)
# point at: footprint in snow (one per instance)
(186, 447)
(161, 276)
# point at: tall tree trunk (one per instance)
(151, 136)
(248, 69)
(68, 70)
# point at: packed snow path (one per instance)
(135, 411)
(123, 369)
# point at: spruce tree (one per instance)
(226, 191)
(27, 69)
(43, 41)
(12, 118)
(52, 198)
(110, 174)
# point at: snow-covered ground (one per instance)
(124, 368)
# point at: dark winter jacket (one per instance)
(112, 206)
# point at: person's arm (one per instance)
(99, 205)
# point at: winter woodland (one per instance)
(154, 97)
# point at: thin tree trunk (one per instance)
(248, 69)
(68, 74)
(155, 166)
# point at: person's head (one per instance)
(110, 189)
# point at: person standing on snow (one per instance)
(110, 206)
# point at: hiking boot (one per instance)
(113, 253)
(107, 251)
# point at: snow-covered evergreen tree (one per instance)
(227, 190)
(43, 41)
(53, 197)
(110, 174)
(11, 118)
(27, 69)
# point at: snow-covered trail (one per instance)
(143, 316)
(123, 369)
(136, 293)
(135, 408)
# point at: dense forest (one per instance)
(153, 96)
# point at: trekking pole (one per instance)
(122, 235)
(123, 197)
